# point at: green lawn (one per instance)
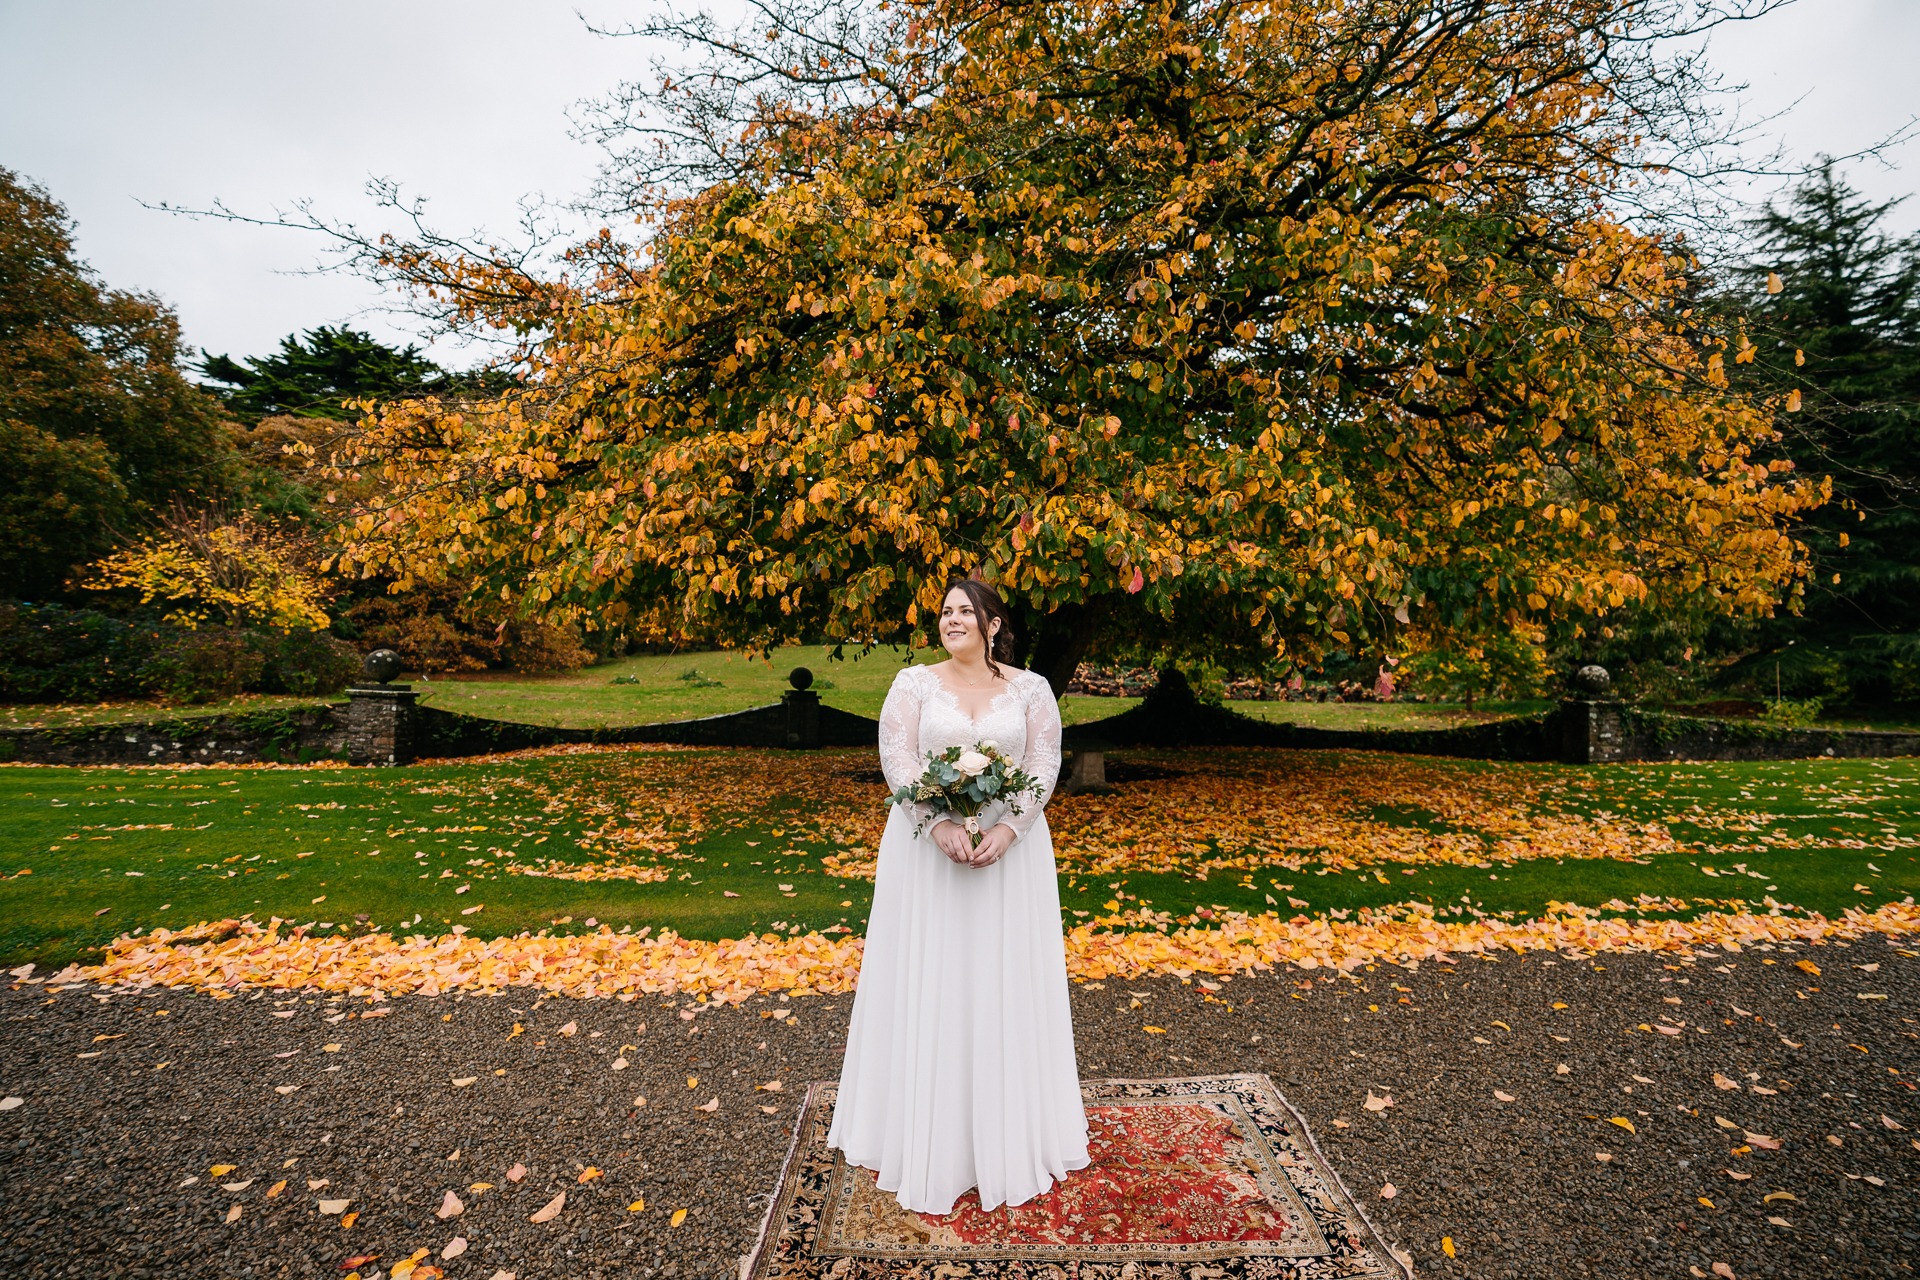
(94, 853)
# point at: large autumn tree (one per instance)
(99, 425)
(1250, 329)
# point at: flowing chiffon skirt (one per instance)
(960, 1068)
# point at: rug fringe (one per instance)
(750, 1260)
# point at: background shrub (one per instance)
(50, 653)
(204, 665)
(307, 662)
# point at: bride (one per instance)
(960, 1068)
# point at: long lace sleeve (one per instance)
(900, 756)
(1042, 758)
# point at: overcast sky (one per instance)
(262, 103)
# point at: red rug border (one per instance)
(781, 1200)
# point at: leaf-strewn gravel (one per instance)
(95, 1159)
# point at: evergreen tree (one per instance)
(316, 376)
(1839, 324)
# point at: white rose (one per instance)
(972, 763)
(988, 744)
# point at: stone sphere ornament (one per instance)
(800, 678)
(381, 666)
(1592, 679)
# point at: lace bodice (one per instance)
(921, 714)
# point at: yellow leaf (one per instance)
(589, 1174)
(1703, 1200)
(1446, 1245)
(1158, 1031)
(221, 1169)
(1503, 1026)
(679, 1216)
(276, 1188)
(233, 1214)
(1774, 284)
(1771, 1196)
(1623, 1122)
(637, 1206)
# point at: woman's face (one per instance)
(960, 626)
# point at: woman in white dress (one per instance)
(960, 1068)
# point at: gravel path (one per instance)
(128, 1099)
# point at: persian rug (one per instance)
(1202, 1178)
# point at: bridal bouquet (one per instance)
(963, 780)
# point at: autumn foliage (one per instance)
(1248, 329)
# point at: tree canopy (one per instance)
(324, 372)
(1840, 332)
(98, 422)
(1248, 329)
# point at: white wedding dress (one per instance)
(960, 1068)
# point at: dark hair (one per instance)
(988, 606)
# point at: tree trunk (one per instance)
(1057, 641)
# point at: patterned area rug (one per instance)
(1204, 1178)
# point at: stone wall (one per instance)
(294, 735)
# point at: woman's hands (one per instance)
(951, 837)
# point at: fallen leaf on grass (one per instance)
(551, 1210)
(516, 1173)
(589, 1174)
(333, 1206)
(679, 1216)
(233, 1214)
(455, 1247)
(1504, 1097)
(450, 1207)
(1623, 1122)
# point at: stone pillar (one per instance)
(377, 724)
(1592, 731)
(1593, 728)
(803, 711)
(1087, 768)
(377, 714)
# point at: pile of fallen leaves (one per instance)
(231, 955)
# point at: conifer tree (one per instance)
(1838, 334)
